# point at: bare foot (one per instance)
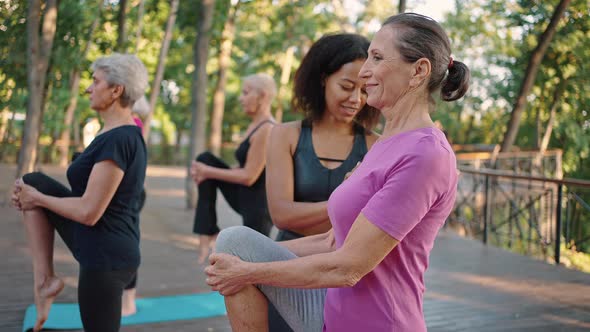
(206, 246)
(44, 296)
(128, 307)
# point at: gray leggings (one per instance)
(302, 309)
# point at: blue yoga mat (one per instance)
(66, 316)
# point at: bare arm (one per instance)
(311, 245)
(364, 248)
(371, 138)
(255, 162)
(285, 212)
(103, 182)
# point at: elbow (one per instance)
(279, 221)
(91, 222)
(248, 181)
(347, 273)
(282, 219)
(89, 218)
(351, 279)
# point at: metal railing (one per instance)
(528, 214)
(535, 163)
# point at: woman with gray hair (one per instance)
(244, 186)
(98, 218)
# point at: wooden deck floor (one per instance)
(470, 287)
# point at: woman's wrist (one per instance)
(205, 172)
(39, 199)
(248, 275)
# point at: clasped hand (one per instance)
(225, 273)
(198, 171)
(24, 197)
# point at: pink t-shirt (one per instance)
(406, 186)
(138, 122)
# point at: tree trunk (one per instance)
(121, 32)
(285, 76)
(140, 12)
(538, 128)
(531, 74)
(155, 91)
(287, 61)
(6, 136)
(469, 129)
(7, 129)
(46, 92)
(38, 54)
(77, 139)
(402, 6)
(3, 124)
(178, 157)
(227, 39)
(538, 121)
(199, 93)
(559, 90)
(64, 146)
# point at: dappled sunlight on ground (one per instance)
(568, 321)
(167, 192)
(189, 240)
(536, 289)
(163, 171)
(70, 281)
(179, 241)
(458, 299)
(63, 256)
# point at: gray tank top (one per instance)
(313, 181)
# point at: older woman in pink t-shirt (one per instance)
(367, 273)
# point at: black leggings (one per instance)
(99, 295)
(249, 203)
(99, 292)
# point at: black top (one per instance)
(314, 182)
(242, 154)
(113, 242)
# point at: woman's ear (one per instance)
(421, 71)
(267, 96)
(118, 91)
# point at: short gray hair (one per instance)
(263, 83)
(125, 70)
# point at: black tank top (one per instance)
(242, 153)
(314, 182)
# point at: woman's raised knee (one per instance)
(33, 179)
(231, 239)
(205, 157)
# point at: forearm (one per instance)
(310, 245)
(298, 215)
(232, 175)
(73, 208)
(326, 270)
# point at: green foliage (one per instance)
(575, 259)
(495, 38)
(13, 63)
